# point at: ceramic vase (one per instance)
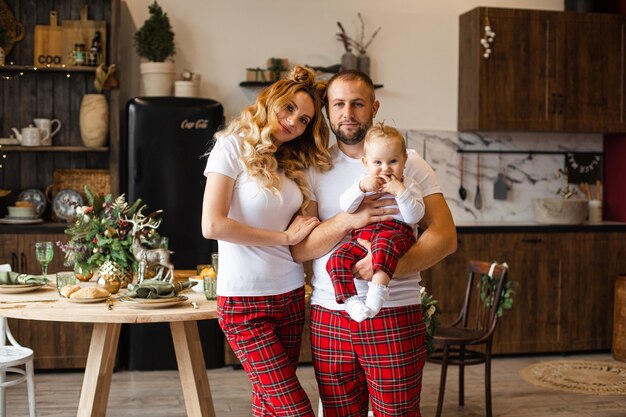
(157, 78)
(94, 120)
(348, 61)
(363, 63)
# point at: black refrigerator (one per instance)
(165, 143)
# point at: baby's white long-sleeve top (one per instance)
(410, 202)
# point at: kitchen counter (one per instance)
(521, 227)
(45, 227)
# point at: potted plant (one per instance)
(94, 108)
(155, 42)
(101, 238)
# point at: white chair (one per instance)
(12, 357)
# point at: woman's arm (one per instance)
(217, 225)
(330, 232)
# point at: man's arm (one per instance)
(436, 242)
(330, 232)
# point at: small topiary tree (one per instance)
(155, 39)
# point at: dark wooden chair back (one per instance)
(482, 301)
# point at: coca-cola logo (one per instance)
(198, 124)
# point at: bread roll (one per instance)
(68, 290)
(90, 292)
(24, 203)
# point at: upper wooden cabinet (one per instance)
(548, 71)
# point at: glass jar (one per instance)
(79, 54)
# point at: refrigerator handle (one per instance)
(137, 171)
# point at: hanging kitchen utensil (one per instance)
(500, 187)
(462, 190)
(478, 200)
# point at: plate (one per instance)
(14, 220)
(18, 288)
(153, 302)
(86, 300)
(65, 203)
(36, 197)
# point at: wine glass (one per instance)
(44, 251)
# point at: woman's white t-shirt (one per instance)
(255, 270)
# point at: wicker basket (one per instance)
(75, 179)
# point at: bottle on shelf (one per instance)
(94, 56)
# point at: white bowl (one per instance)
(556, 210)
(199, 287)
(21, 211)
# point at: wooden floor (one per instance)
(158, 393)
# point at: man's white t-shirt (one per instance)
(326, 188)
(255, 270)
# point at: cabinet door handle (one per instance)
(14, 264)
(533, 240)
(552, 103)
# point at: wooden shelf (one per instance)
(253, 84)
(44, 68)
(15, 148)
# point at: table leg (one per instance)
(192, 370)
(94, 395)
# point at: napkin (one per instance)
(158, 289)
(10, 277)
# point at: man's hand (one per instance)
(372, 210)
(363, 268)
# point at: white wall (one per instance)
(415, 55)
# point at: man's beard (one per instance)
(357, 137)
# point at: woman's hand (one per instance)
(300, 228)
(363, 268)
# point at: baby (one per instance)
(384, 158)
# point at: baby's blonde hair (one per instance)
(380, 130)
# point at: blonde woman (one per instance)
(254, 193)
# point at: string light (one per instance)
(487, 40)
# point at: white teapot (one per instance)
(31, 136)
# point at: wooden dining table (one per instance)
(46, 304)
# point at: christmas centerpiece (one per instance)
(102, 238)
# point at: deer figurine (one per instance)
(145, 256)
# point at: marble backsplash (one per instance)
(527, 176)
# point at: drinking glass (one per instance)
(215, 260)
(65, 278)
(210, 288)
(44, 251)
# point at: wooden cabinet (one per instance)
(548, 71)
(564, 297)
(27, 93)
(18, 250)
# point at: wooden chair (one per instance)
(12, 357)
(474, 326)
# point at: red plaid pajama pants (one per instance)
(381, 357)
(265, 333)
(390, 240)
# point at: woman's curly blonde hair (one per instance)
(261, 157)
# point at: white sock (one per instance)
(356, 308)
(376, 297)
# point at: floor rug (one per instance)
(583, 377)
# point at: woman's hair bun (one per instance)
(302, 74)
